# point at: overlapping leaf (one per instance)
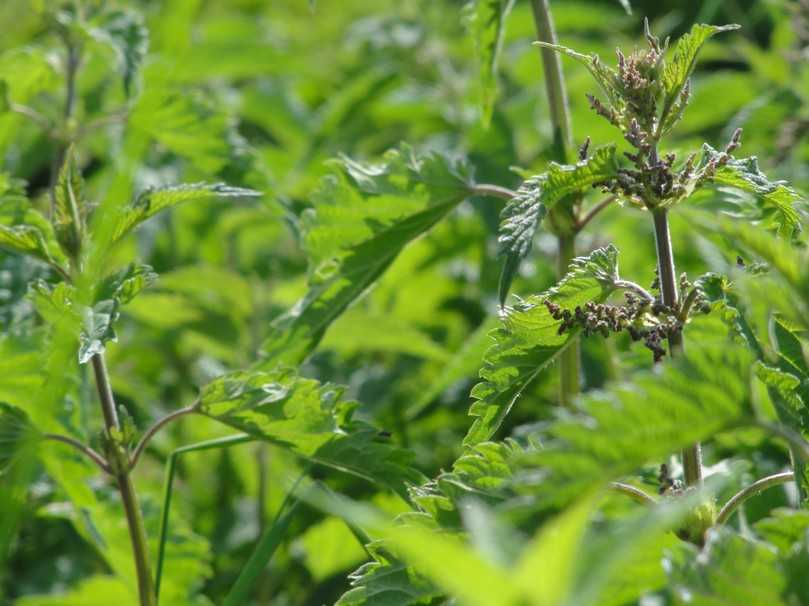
(536, 196)
(529, 340)
(125, 32)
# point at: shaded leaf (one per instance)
(125, 32)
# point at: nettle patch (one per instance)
(580, 507)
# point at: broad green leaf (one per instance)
(487, 22)
(617, 430)
(360, 223)
(330, 547)
(678, 70)
(387, 580)
(529, 340)
(536, 196)
(730, 570)
(153, 200)
(311, 419)
(125, 32)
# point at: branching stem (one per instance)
(634, 493)
(84, 449)
(129, 499)
(158, 425)
(594, 211)
(750, 491)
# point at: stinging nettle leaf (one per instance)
(361, 221)
(522, 214)
(24, 239)
(529, 340)
(606, 77)
(153, 200)
(678, 70)
(311, 419)
(15, 432)
(69, 199)
(487, 22)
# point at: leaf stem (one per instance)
(692, 456)
(750, 491)
(641, 496)
(168, 488)
(158, 425)
(84, 449)
(636, 288)
(496, 191)
(119, 462)
(595, 210)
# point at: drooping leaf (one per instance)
(487, 22)
(125, 32)
(126, 284)
(776, 198)
(313, 420)
(618, 430)
(678, 70)
(529, 340)
(153, 200)
(24, 239)
(361, 222)
(97, 329)
(522, 214)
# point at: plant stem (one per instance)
(496, 191)
(751, 491)
(633, 493)
(692, 456)
(85, 450)
(554, 80)
(563, 142)
(157, 427)
(569, 358)
(121, 470)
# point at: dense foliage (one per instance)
(384, 303)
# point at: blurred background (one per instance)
(263, 94)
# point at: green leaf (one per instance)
(311, 419)
(360, 223)
(16, 432)
(487, 22)
(126, 284)
(529, 340)
(24, 239)
(97, 329)
(730, 570)
(536, 196)
(776, 198)
(678, 70)
(69, 197)
(93, 591)
(618, 431)
(125, 32)
(605, 76)
(519, 221)
(153, 200)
